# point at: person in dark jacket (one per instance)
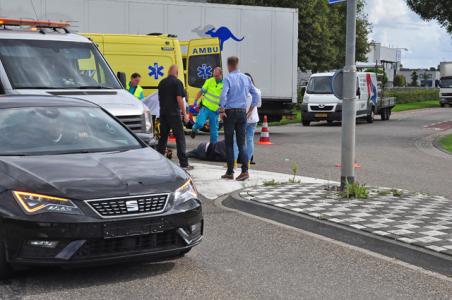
(172, 106)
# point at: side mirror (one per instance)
(122, 78)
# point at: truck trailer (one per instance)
(264, 38)
(445, 70)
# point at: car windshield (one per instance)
(320, 85)
(35, 64)
(61, 130)
(200, 68)
(446, 82)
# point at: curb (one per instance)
(438, 146)
(414, 255)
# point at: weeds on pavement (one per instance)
(271, 183)
(294, 169)
(354, 190)
(397, 193)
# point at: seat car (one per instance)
(78, 187)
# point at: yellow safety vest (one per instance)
(212, 92)
(138, 91)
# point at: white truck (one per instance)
(445, 70)
(320, 104)
(45, 58)
(264, 38)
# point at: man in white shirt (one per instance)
(251, 124)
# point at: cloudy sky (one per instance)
(396, 25)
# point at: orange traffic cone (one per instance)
(265, 134)
(171, 137)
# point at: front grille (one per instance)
(129, 206)
(446, 95)
(108, 247)
(322, 108)
(134, 123)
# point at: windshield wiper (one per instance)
(39, 88)
(94, 87)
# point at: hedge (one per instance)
(408, 95)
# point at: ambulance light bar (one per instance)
(35, 23)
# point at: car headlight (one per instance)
(148, 120)
(185, 192)
(33, 204)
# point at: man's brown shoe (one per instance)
(228, 176)
(188, 168)
(243, 177)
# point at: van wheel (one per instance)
(305, 123)
(330, 122)
(5, 268)
(370, 116)
(442, 104)
(384, 114)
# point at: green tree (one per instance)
(439, 10)
(321, 31)
(414, 78)
(399, 81)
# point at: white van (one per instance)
(320, 104)
(44, 58)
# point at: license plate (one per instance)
(321, 115)
(117, 230)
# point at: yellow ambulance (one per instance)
(151, 56)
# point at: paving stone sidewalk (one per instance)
(412, 218)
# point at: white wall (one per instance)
(268, 52)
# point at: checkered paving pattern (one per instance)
(417, 219)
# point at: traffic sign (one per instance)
(335, 1)
(337, 84)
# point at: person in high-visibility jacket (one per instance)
(211, 92)
(133, 86)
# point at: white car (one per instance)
(44, 58)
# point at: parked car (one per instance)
(42, 57)
(79, 187)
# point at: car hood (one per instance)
(116, 102)
(321, 99)
(92, 176)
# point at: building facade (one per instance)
(425, 77)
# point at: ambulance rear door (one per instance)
(203, 56)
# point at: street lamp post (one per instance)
(349, 99)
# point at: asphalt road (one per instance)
(241, 258)
(396, 153)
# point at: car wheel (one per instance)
(442, 104)
(5, 268)
(305, 123)
(370, 116)
(330, 122)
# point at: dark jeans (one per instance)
(235, 121)
(168, 122)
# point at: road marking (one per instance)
(440, 126)
(218, 202)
